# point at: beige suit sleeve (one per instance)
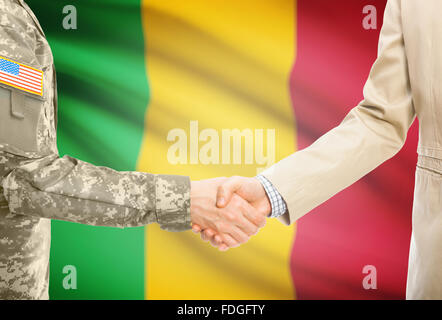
(371, 133)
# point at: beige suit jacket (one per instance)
(405, 82)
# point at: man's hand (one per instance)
(249, 189)
(233, 224)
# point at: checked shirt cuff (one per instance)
(278, 204)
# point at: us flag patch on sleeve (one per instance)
(20, 76)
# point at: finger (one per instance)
(218, 239)
(226, 190)
(247, 227)
(196, 228)
(213, 237)
(229, 241)
(204, 237)
(237, 234)
(217, 242)
(209, 233)
(214, 243)
(247, 218)
(223, 247)
(252, 215)
(248, 212)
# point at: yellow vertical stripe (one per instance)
(225, 64)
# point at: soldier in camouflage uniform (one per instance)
(37, 185)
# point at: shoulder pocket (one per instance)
(19, 117)
(21, 103)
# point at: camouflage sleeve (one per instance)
(37, 182)
(72, 190)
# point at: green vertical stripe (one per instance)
(103, 95)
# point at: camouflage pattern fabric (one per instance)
(36, 185)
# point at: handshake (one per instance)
(228, 211)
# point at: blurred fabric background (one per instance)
(135, 70)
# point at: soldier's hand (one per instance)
(229, 226)
(249, 189)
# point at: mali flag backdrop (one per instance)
(134, 71)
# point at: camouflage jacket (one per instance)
(36, 185)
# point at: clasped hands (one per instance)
(228, 211)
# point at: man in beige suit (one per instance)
(405, 82)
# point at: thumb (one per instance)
(226, 191)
